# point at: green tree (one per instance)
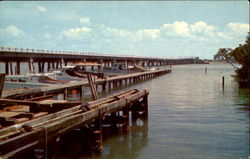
(242, 55)
(225, 54)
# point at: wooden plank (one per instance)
(16, 120)
(21, 109)
(16, 102)
(7, 114)
(39, 114)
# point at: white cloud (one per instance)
(85, 21)
(118, 32)
(148, 34)
(144, 34)
(76, 32)
(41, 8)
(179, 28)
(12, 30)
(238, 28)
(202, 28)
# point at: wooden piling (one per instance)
(92, 87)
(81, 94)
(223, 81)
(65, 95)
(2, 77)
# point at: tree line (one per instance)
(241, 55)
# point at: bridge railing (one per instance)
(43, 51)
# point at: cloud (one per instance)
(178, 28)
(118, 32)
(238, 28)
(76, 33)
(202, 28)
(41, 9)
(144, 34)
(202, 31)
(12, 30)
(148, 34)
(85, 21)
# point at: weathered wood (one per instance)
(15, 102)
(92, 87)
(2, 77)
(60, 122)
(58, 88)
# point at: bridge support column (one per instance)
(18, 67)
(48, 67)
(31, 66)
(11, 68)
(39, 67)
(7, 67)
(53, 65)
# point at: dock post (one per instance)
(223, 81)
(109, 85)
(92, 87)
(125, 116)
(113, 120)
(65, 94)
(145, 104)
(104, 86)
(2, 76)
(98, 134)
(135, 111)
(81, 93)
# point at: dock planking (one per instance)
(25, 128)
(59, 88)
(28, 134)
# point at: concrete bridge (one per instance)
(12, 57)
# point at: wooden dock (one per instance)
(30, 119)
(36, 133)
(78, 85)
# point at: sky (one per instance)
(167, 29)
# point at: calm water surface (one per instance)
(190, 116)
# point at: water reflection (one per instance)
(127, 146)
